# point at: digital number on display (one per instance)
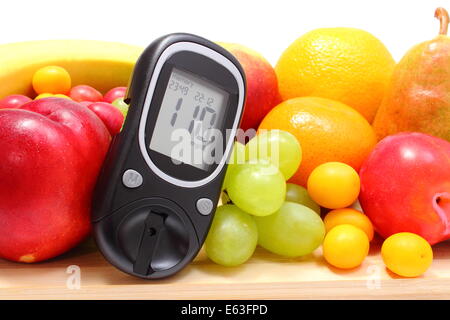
(193, 104)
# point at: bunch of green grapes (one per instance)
(264, 209)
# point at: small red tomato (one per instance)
(114, 94)
(110, 115)
(85, 93)
(13, 101)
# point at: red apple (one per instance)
(405, 186)
(51, 153)
(110, 115)
(262, 85)
(85, 93)
(86, 103)
(13, 101)
(114, 94)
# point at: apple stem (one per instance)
(441, 205)
(442, 15)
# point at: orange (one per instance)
(345, 246)
(349, 216)
(407, 254)
(327, 130)
(343, 64)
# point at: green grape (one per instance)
(121, 105)
(293, 231)
(279, 147)
(298, 194)
(232, 238)
(237, 157)
(237, 154)
(257, 188)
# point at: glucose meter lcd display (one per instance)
(188, 128)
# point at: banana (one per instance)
(103, 65)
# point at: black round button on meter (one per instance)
(161, 180)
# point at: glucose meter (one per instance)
(161, 180)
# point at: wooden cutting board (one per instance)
(264, 276)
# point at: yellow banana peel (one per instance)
(103, 65)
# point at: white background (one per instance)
(266, 26)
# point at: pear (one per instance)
(418, 95)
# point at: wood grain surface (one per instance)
(264, 276)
